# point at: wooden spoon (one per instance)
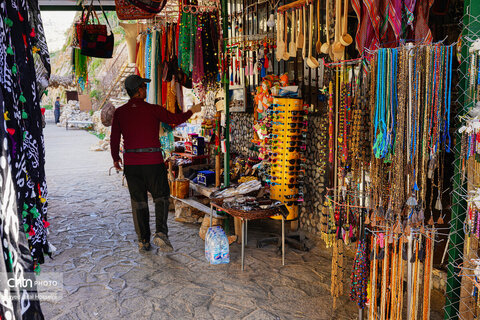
(292, 50)
(337, 46)
(318, 46)
(311, 61)
(286, 56)
(304, 47)
(345, 39)
(300, 31)
(280, 45)
(326, 46)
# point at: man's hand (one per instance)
(197, 107)
(117, 165)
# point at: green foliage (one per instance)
(48, 107)
(91, 113)
(100, 136)
(95, 94)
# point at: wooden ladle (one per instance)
(337, 45)
(280, 44)
(286, 56)
(318, 46)
(311, 61)
(300, 32)
(326, 45)
(345, 39)
(292, 49)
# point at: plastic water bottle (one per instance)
(225, 248)
(216, 246)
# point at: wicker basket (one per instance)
(249, 215)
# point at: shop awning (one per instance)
(70, 5)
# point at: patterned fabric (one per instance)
(39, 47)
(23, 206)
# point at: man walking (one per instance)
(56, 112)
(139, 124)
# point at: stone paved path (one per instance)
(106, 278)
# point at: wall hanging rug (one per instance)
(150, 6)
(127, 11)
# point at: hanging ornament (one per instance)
(271, 21)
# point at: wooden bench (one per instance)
(78, 123)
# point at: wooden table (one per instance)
(245, 229)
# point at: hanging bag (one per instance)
(96, 42)
(127, 11)
(151, 6)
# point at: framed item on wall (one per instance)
(238, 101)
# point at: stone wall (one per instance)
(315, 172)
(316, 158)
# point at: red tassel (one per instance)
(46, 224)
(20, 16)
(25, 40)
(11, 131)
(32, 34)
(31, 233)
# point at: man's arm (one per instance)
(115, 140)
(175, 118)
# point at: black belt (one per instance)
(144, 150)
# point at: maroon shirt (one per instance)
(139, 123)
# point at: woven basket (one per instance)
(127, 11)
(250, 215)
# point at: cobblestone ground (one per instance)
(106, 278)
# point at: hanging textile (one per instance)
(23, 215)
(39, 47)
(147, 57)
(80, 68)
(141, 56)
(152, 86)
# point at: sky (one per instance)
(55, 24)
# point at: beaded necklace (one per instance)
(330, 121)
(448, 82)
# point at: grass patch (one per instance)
(100, 136)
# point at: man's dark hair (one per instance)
(58, 97)
(131, 93)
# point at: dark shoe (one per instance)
(161, 240)
(143, 246)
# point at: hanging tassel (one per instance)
(367, 219)
(11, 131)
(438, 204)
(421, 216)
(430, 221)
(20, 17)
(10, 50)
(46, 224)
(440, 220)
(415, 186)
(32, 33)
(412, 202)
(381, 211)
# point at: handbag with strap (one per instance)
(127, 11)
(96, 42)
(89, 27)
(151, 6)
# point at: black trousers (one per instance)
(142, 179)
